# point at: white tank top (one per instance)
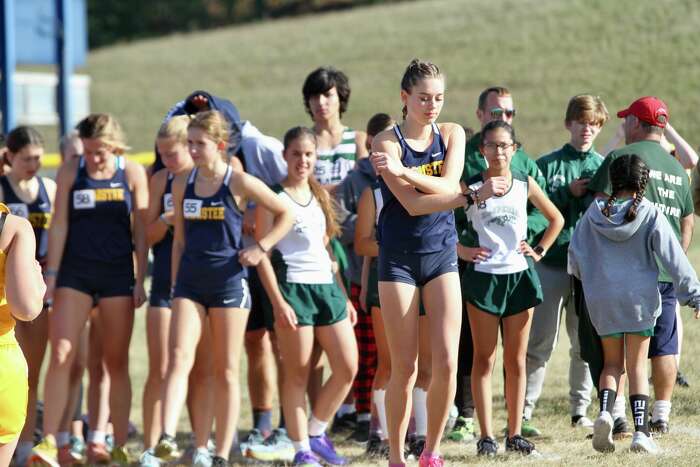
(303, 249)
(500, 224)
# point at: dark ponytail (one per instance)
(628, 173)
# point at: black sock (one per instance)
(282, 423)
(607, 400)
(639, 404)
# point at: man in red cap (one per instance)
(668, 189)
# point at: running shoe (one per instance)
(109, 442)
(602, 433)
(581, 421)
(166, 449)
(44, 454)
(97, 453)
(681, 380)
(149, 459)
(323, 447)
(463, 430)
(218, 461)
(416, 444)
(120, 456)
(361, 433)
(306, 459)
(643, 443)
(275, 448)
(201, 458)
(432, 460)
(620, 429)
(64, 457)
(255, 436)
(519, 445)
(344, 423)
(77, 450)
(528, 430)
(487, 447)
(658, 426)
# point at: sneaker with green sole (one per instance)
(120, 456)
(462, 431)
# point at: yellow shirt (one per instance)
(7, 322)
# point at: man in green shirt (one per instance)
(495, 103)
(668, 189)
(567, 172)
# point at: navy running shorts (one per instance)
(416, 268)
(236, 296)
(665, 338)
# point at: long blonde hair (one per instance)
(324, 200)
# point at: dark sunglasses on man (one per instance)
(497, 112)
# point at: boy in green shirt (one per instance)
(567, 172)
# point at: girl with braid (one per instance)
(618, 241)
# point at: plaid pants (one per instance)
(367, 351)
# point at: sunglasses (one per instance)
(496, 112)
(502, 147)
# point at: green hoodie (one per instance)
(560, 168)
(474, 164)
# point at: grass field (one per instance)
(545, 51)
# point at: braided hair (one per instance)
(627, 173)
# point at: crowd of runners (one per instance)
(391, 259)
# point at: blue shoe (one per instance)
(306, 459)
(276, 448)
(149, 459)
(254, 437)
(201, 458)
(323, 446)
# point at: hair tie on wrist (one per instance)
(260, 246)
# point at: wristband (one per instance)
(162, 218)
(50, 273)
(260, 246)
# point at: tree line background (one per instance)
(112, 21)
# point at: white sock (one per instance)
(302, 445)
(345, 409)
(661, 410)
(62, 438)
(316, 426)
(619, 407)
(420, 411)
(97, 437)
(379, 396)
(24, 449)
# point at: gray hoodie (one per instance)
(615, 261)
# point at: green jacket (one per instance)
(474, 164)
(560, 168)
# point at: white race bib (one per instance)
(192, 208)
(19, 209)
(168, 202)
(84, 199)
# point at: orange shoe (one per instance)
(97, 454)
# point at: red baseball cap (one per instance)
(649, 109)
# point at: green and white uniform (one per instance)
(475, 164)
(303, 266)
(373, 276)
(560, 168)
(505, 283)
(332, 165)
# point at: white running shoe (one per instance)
(602, 433)
(644, 443)
(583, 422)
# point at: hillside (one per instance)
(544, 50)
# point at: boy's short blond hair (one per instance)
(587, 108)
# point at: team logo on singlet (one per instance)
(503, 215)
(19, 209)
(431, 168)
(193, 209)
(299, 225)
(87, 199)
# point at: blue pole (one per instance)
(8, 62)
(64, 56)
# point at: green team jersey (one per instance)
(474, 164)
(668, 187)
(560, 168)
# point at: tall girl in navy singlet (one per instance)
(171, 142)
(96, 229)
(31, 196)
(419, 163)
(208, 270)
